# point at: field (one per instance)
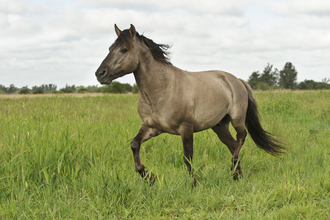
(65, 157)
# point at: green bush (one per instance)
(93, 88)
(135, 89)
(82, 90)
(57, 92)
(68, 89)
(114, 87)
(24, 90)
(38, 91)
(263, 86)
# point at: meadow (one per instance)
(65, 157)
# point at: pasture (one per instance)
(64, 157)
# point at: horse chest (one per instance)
(158, 118)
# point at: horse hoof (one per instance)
(150, 178)
(237, 175)
(195, 183)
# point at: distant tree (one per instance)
(68, 89)
(114, 87)
(44, 88)
(94, 88)
(254, 79)
(3, 89)
(269, 76)
(135, 89)
(24, 90)
(263, 86)
(117, 87)
(12, 89)
(324, 84)
(127, 87)
(307, 85)
(288, 76)
(312, 85)
(82, 89)
(106, 89)
(326, 80)
(38, 90)
(49, 88)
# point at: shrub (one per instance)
(135, 89)
(82, 90)
(126, 87)
(68, 89)
(93, 88)
(24, 90)
(114, 87)
(263, 86)
(57, 92)
(38, 91)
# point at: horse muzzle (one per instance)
(103, 76)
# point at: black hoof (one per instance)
(237, 174)
(149, 177)
(195, 183)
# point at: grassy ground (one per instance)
(68, 157)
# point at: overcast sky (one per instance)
(64, 42)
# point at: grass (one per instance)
(68, 157)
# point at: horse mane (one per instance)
(158, 51)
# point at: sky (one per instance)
(64, 42)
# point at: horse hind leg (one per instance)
(239, 126)
(222, 130)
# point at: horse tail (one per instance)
(261, 138)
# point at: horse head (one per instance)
(122, 57)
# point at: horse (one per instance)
(179, 102)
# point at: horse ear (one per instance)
(132, 31)
(118, 31)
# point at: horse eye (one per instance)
(123, 50)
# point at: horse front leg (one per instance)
(145, 133)
(187, 135)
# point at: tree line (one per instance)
(114, 87)
(286, 78)
(269, 78)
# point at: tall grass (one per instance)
(70, 158)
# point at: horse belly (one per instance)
(208, 118)
(210, 108)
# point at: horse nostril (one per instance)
(101, 73)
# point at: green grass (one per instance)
(70, 158)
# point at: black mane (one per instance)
(158, 51)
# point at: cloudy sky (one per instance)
(64, 41)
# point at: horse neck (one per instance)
(153, 78)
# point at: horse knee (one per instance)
(135, 145)
(241, 135)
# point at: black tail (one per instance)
(261, 138)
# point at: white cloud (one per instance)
(191, 6)
(64, 42)
(292, 7)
